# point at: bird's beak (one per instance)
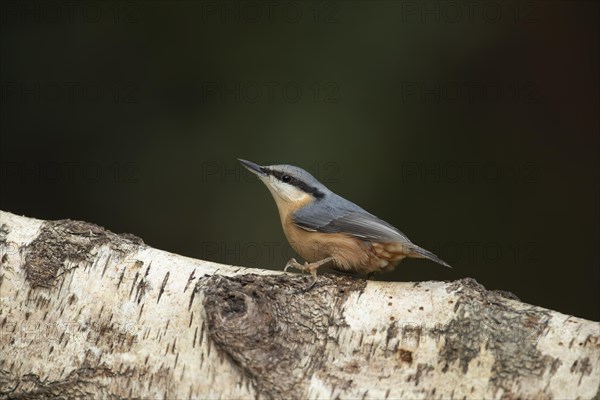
(254, 168)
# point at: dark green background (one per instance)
(472, 127)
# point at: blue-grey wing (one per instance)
(341, 216)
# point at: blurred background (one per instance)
(472, 127)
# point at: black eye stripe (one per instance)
(295, 182)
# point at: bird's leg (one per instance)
(310, 267)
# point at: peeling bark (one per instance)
(89, 313)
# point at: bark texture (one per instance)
(89, 313)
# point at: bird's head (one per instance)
(288, 184)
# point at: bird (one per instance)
(325, 228)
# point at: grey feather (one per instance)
(420, 252)
(337, 214)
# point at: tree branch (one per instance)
(86, 312)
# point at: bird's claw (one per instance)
(290, 264)
(311, 285)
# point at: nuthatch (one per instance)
(323, 227)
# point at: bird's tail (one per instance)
(417, 252)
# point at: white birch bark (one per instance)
(88, 313)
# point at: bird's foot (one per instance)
(309, 267)
(292, 264)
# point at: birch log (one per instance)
(89, 313)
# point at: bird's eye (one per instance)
(286, 178)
